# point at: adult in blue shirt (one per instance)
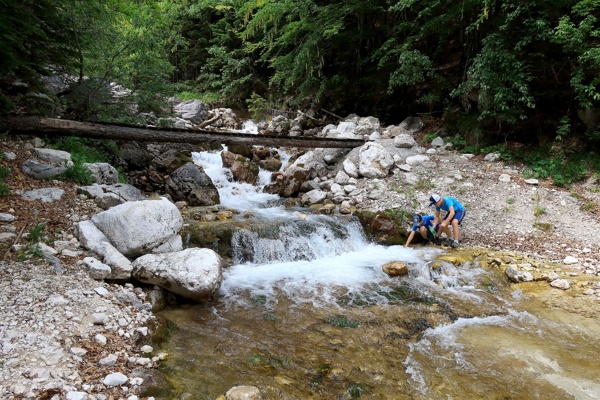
(455, 212)
(424, 225)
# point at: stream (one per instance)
(306, 312)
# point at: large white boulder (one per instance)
(136, 228)
(374, 161)
(192, 273)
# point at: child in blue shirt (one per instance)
(425, 225)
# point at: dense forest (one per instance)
(524, 70)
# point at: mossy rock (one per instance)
(387, 227)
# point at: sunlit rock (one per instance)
(395, 268)
(135, 228)
(243, 393)
(374, 161)
(192, 273)
(561, 284)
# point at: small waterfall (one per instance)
(310, 238)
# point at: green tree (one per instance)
(579, 32)
(33, 37)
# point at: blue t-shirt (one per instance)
(449, 202)
(427, 222)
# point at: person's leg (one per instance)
(423, 232)
(445, 227)
(455, 229)
(458, 217)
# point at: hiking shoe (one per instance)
(455, 244)
(425, 243)
(448, 242)
(437, 241)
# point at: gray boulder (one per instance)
(103, 172)
(136, 228)
(54, 157)
(192, 273)
(190, 183)
(192, 110)
(374, 161)
(412, 124)
(41, 171)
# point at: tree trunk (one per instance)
(63, 127)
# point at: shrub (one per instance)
(4, 190)
(78, 174)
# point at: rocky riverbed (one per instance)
(65, 335)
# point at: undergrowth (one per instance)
(32, 248)
(540, 162)
(4, 172)
(85, 150)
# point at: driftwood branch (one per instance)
(208, 122)
(62, 127)
(330, 113)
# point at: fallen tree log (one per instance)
(64, 127)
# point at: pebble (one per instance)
(115, 379)
(570, 260)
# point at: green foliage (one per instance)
(5, 104)
(257, 106)
(563, 128)
(33, 37)
(4, 173)
(578, 32)
(205, 97)
(492, 67)
(564, 170)
(85, 150)
(342, 322)
(78, 174)
(424, 184)
(33, 238)
(539, 211)
(500, 81)
(36, 234)
(429, 136)
(413, 67)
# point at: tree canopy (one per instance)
(493, 66)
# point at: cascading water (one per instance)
(306, 312)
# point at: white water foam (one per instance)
(318, 281)
(236, 195)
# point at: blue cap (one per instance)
(416, 220)
(434, 199)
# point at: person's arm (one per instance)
(449, 217)
(410, 238)
(436, 221)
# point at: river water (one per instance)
(307, 313)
